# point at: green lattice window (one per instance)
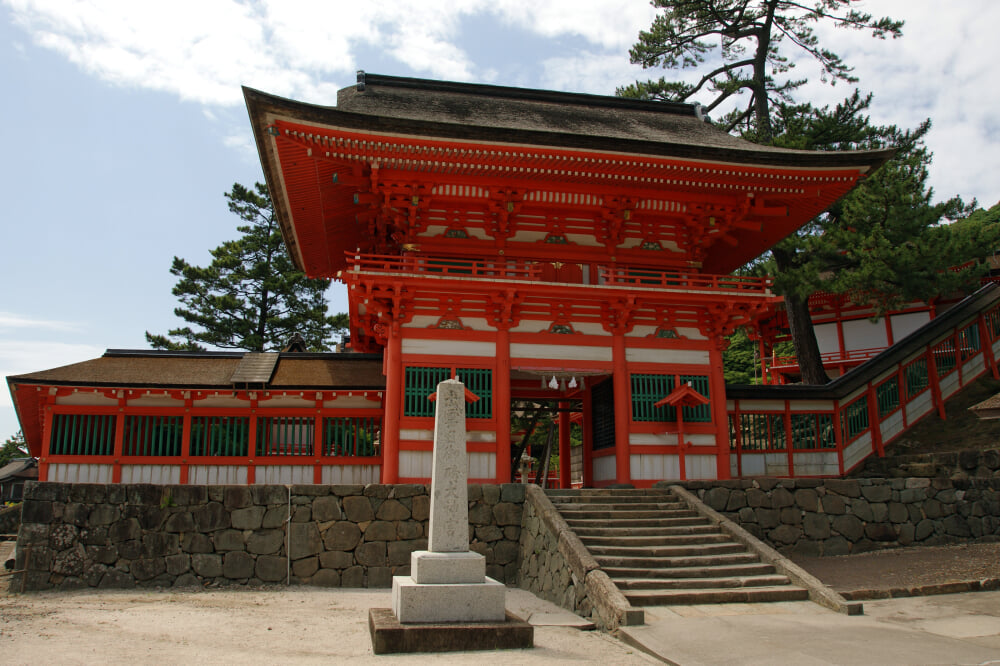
(855, 418)
(153, 435)
(762, 432)
(968, 341)
(285, 435)
(887, 396)
(82, 435)
(422, 382)
(916, 377)
(220, 436)
(352, 436)
(480, 382)
(944, 357)
(813, 431)
(647, 390)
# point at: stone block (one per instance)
(389, 636)
(737, 500)
(274, 569)
(236, 497)
(182, 521)
(881, 492)
(274, 517)
(103, 514)
(226, 540)
(489, 533)
(401, 490)
(326, 508)
(507, 513)
(717, 498)
(379, 577)
(480, 514)
(880, 512)
(326, 578)
(265, 542)
(160, 544)
(862, 509)
(380, 530)
(780, 498)
(335, 559)
(399, 552)
(844, 487)
(249, 518)
(421, 507)
(491, 494)
(371, 554)
(377, 490)
(100, 554)
(63, 536)
(392, 509)
(303, 540)
(768, 518)
(125, 530)
(269, 495)
(412, 603)
(346, 490)
(237, 565)
(898, 512)
(358, 508)
(427, 568)
(36, 511)
(189, 495)
(849, 526)
(785, 534)
(409, 529)
(758, 498)
(512, 492)
(836, 545)
(196, 543)
(210, 517)
(207, 565)
(816, 526)
(880, 532)
(791, 515)
(352, 577)
(177, 564)
(342, 536)
(147, 568)
(301, 514)
(301, 568)
(806, 499)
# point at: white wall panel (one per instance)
(701, 467)
(775, 464)
(449, 347)
(566, 351)
(283, 474)
(826, 337)
(919, 406)
(904, 324)
(350, 473)
(86, 398)
(345, 401)
(816, 463)
(669, 439)
(753, 464)
(973, 367)
(892, 425)
(654, 467)
(159, 474)
(686, 356)
(950, 385)
(865, 334)
(217, 475)
(604, 468)
(812, 405)
(482, 465)
(857, 451)
(76, 473)
(415, 464)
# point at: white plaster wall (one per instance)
(816, 463)
(221, 400)
(892, 425)
(919, 406)
(353, 402)
(753, 464)
(564, 352)
(86, 398)
(154, 401)
(351, 473)
(826, 337)
(864, 334)
(158, 474)
(417, 435)
(215, 475)
(291, 401)
(700, 467)
(776, 464)
(76, 473)
(449, 347)
(857, 451)
(686, 356)
(904, 324)
(283, 474)
(812, 406)
(482, 465)
(604, 468)
(669, 439)
(950, 385)
(415, 464)
(973, 367)
(654, 467)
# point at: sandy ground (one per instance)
(286, 625)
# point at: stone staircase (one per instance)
(658, 551)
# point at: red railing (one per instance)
(853, 357)
(450, 266)
(672, 280)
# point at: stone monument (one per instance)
(447, 602)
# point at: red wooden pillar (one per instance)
(932, 373)
(393, 407)
(987, 346)
(252, 444)
(588, 439)
(185, 441)
(501, 405)
(43, 465)
(874, 422)
(318, 444)
(623, 410)
(720, 417)
(838, 437)
(116, 469)
(564, 455)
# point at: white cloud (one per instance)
(11, 320)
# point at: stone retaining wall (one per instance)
(841, 516)
(10, 519)
(122, 536)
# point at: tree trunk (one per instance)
(542, 478)
(800, 326)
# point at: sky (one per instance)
(124, 123)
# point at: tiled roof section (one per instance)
(255, 368)
(211, 370)
(987, 409)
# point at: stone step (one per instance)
(667, 551)
(719, 571)
(621, 514)
(561, 500)
(675, 562)
(700, 583)
(594, 492)
(716, 596)
(574, 507)
(661, 540)
(594, 528)
(634, 522)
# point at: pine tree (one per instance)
(251, 296)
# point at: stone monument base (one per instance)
(390, 636)
(413, 602)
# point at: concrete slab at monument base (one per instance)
(390, 636)
(429, 568)
(447, 602)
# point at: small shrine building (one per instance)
(537, 245)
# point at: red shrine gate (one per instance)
(519, 238)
